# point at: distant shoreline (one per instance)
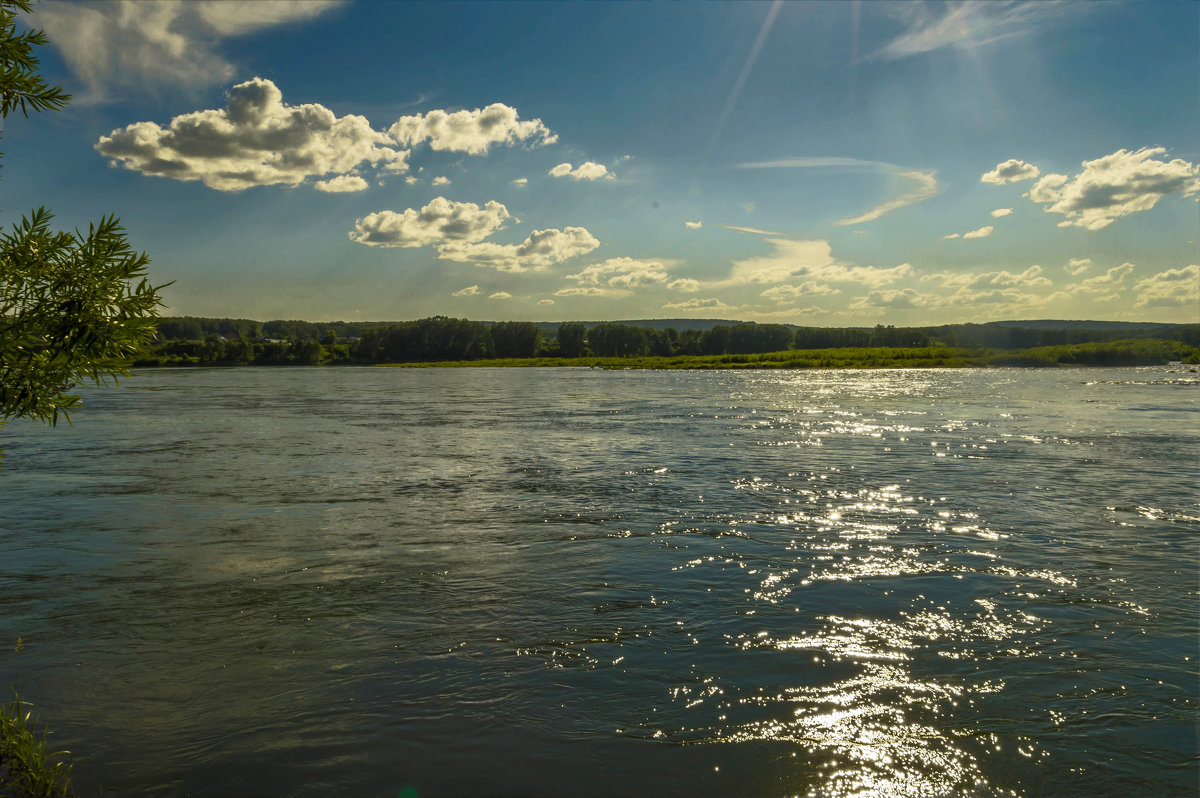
(1140, 352)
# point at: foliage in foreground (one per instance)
(28, 769)
(73, 307)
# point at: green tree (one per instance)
(73, 306)
(571, 339)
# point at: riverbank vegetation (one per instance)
(1117, 353)
(446, 341)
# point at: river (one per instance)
(546, 582)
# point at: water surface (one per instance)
(544, 582)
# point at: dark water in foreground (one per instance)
(514, 582)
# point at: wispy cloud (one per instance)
(751, 230)
(923, 184)
(740, 83)
(151, 44)
(968, 25)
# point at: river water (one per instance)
(545, 582)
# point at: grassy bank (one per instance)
(1137, 352)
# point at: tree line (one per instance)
(201, 341)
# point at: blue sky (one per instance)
(825, 163)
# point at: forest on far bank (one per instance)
(185, 341)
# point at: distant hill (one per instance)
(1058, 324)
(551, 327)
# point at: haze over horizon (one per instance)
(826, 164)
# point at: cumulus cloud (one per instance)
(588, 290)
(811, 259)
(470, 290)
(472, 132)
(441, 222)
(1030, 278)
(893, 299)
(1171, 288)
(541, 249)
(588, 170)
(545, 302)
(996, 214)
(521, 181)
(146, 44)
(982, 232)
(698, 304)
(500, 295)
(440, 180)
(1107, 282)
(1114, 186)
(790, 293)
(256, 140)
(623, 273)
(341, 184)
(693, 225)
(684, 285)
(1077, 266)
(1011, 171)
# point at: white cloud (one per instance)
(1170, 288)
(257, 140)
(698, 304)
(470, 290)
(441, 222)
(1011, 171)
(472, 132)
(693, 225)
(894, 299)
(541, 249)
(1030, 278)
(588, 290)
(811, 259)
(982, 232)
(751, 230)
(1077, 266)
(143, 44)
(521, 181)
(500, 295)
(967, 26)
(545, 301)
(925, 188)
(996, 214)
(790, 293)
(440, 180)
(341, 184)
(1104, 282)
(585, 171)
(684, 285)
(926, 185)
(623, 273)
(1114, 186)
(412, 181)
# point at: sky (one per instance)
(812, 163)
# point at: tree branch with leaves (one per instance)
(73, 306)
